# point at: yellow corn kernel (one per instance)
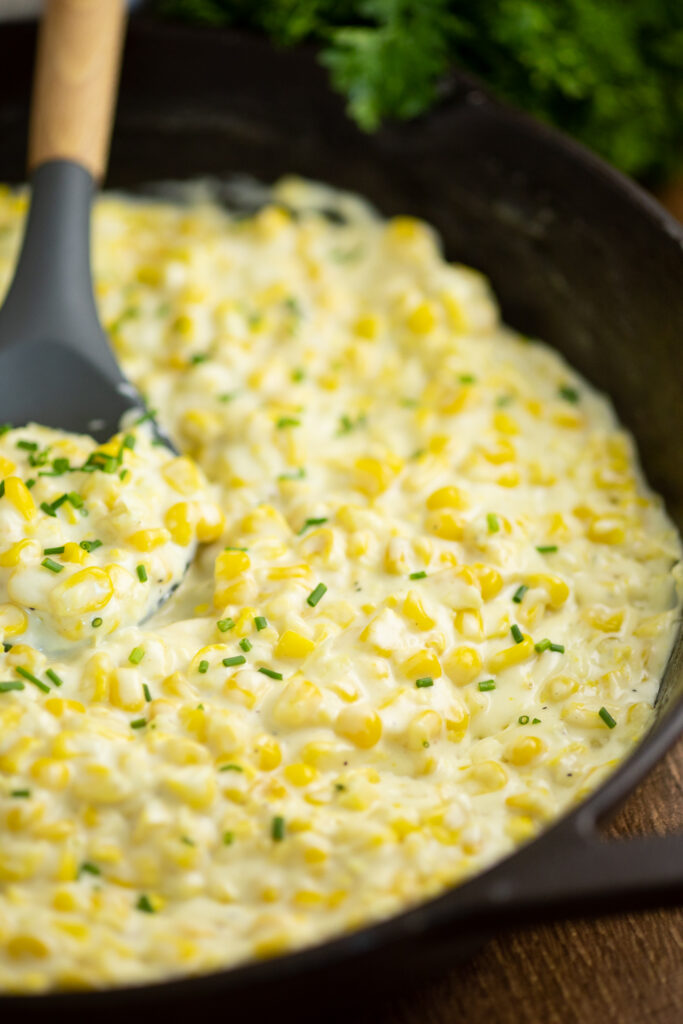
(58, 705)
(231, 564)
(489, 776)
(300, 774)
(149, 273)
(197, 791)
(443, 523)
(555, 587)
(514, 655)
(463, 665)
(13, 620)
(51, 773)
(525, 749)
(210, 522)
(520, 828)
(505, 423)
(423, 729)
(585, 717)
(194, 720)
(607, 530)
(423, 663)
(64, 900)
(314, 855)
(148, 540)
(290, 572)
(293, 645)
(608, 620)
(268, 753)
(373, 476)
(18, 867)
(489, 579)
(179, 521)
(446, 497)
(6, 467)
(457, 722)
(558, 688)
(18, 552)
(300, 704)
(73, 552)
(422, 319)
(405, 229)
(503, 452)
(366, 326)
(510, 478)
(414, 610)
(308, 898)
(88, 590)
(183, 475)
(361, 725)
(469, 623)
(267, 520)
(26, 946)
(18, 494)
(125, 691)
(14, 757)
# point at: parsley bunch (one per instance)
(609, 72)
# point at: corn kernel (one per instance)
(525, 749)
(148, 540)
(300, 774)
(18, 494)
(179, 521)
(446, 497)
(423, 663)
(13, 620)
(183, 475)
(293, 645)
(361, 725)
(463, 665)
(422, 319)
(510, 656)
(414, 610)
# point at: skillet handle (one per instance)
(77, 70)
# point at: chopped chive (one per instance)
(13, 685)
(260, 622)
(312, 522)
(316, 595)
(75, 499)
(546, 549)
(228, 838)
(198, 357)
(29, 483)
(492, 521)
(60, 465)
(287, 421)
(144, 903)
(229, 547)
(298, 375)
(90, 545)
(47, 509)
(25, 674)
(28, 446)
(87, 867)
(277, 828)
(542, 645)
(58, 502)
(237, 659)
(423, 682)
(467, 378)
(245, 644)
(203, 667)
(138, 723)
(487, 684)
(54, 551)
(136, 655)
(558, 648)
(22, 794)
(4, 427)
(607, 718)
(297, 474)
(187, 841)
(149, 415)
(2, 488)
(225, 624)
(129, 442)
(96, 622)
(270, 673)
(147, 693)
(523, 719)
(231, 768)
(52, 675)
(519, 593)
(569, 394)
(418, 575)
(142, 573)
(123, 474)
(535, 721)
(517, 634)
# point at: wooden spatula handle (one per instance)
(76, 76)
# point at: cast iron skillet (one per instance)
(578, 256)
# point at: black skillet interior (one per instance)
(576, 255)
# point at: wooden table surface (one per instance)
(611, 970)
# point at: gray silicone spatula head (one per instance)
(55, 361)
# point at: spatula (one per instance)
(56, 365)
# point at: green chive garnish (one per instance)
(517, 634)
(270, 673)
(277, 828)
(48, 509)
(237, 659)
(260, 622)
(542, 645)
(519, 593)
(316, 595)
(312, 522)
(558, 648)
(569, 394)
(13, 685)
(607, 718)
(142, 573)
(287, 421)
(203, 667)
(54, 551)
(87, 867)
(228, 838)
(418, 575)
(546, 549)
(136, 655)
(225, 624)
(138, 723)
(49, 563)
(492, 521)
(28, 446)
(90, 545)
(523, 719)
(23, 794)
(146, 691)
(25, 674)
(245, 644)
(143, 903)
(487, 684)
(96, 622)
(52, 675)
(424, 682)
(231, 768)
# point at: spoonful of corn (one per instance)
(98, 523)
